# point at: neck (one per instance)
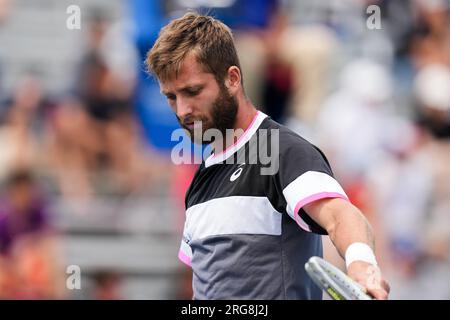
(245, 115)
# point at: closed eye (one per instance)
(192, 93)
(171, 97)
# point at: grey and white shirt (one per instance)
(246, 235)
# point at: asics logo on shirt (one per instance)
(236, 174)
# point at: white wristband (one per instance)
(359, 251)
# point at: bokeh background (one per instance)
(85, 169)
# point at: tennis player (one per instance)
(248, 234)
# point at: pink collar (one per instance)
(249, 132)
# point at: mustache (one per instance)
(188, 120)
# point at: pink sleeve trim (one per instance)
(184, 258)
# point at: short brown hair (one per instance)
(209, 39)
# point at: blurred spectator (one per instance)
(278, 74)
(431, 35)
(20, 121)
(352, 130)
(432, 90)
(107, 285)
(29, 261)
(432, 93)
(95, 131)
(362, 104)
(401, 186)
(69, 146)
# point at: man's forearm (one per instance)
(349, 226)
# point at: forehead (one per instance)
(190, 73)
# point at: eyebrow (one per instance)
(186, 89)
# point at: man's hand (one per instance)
(369, 276)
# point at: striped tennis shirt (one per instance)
(246, 235)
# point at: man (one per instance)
(247, 234)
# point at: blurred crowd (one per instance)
(376, 101)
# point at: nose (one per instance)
(184, 108)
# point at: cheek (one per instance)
(207, 101)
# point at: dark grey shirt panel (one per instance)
(237, 267)
(255, 266)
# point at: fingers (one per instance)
(385, 285)
(380, 291)
(378, 294)
(370, 278)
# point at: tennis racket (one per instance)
(333, 281)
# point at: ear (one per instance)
(233, 79)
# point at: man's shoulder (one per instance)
(288, 139)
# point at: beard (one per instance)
(222, 117)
